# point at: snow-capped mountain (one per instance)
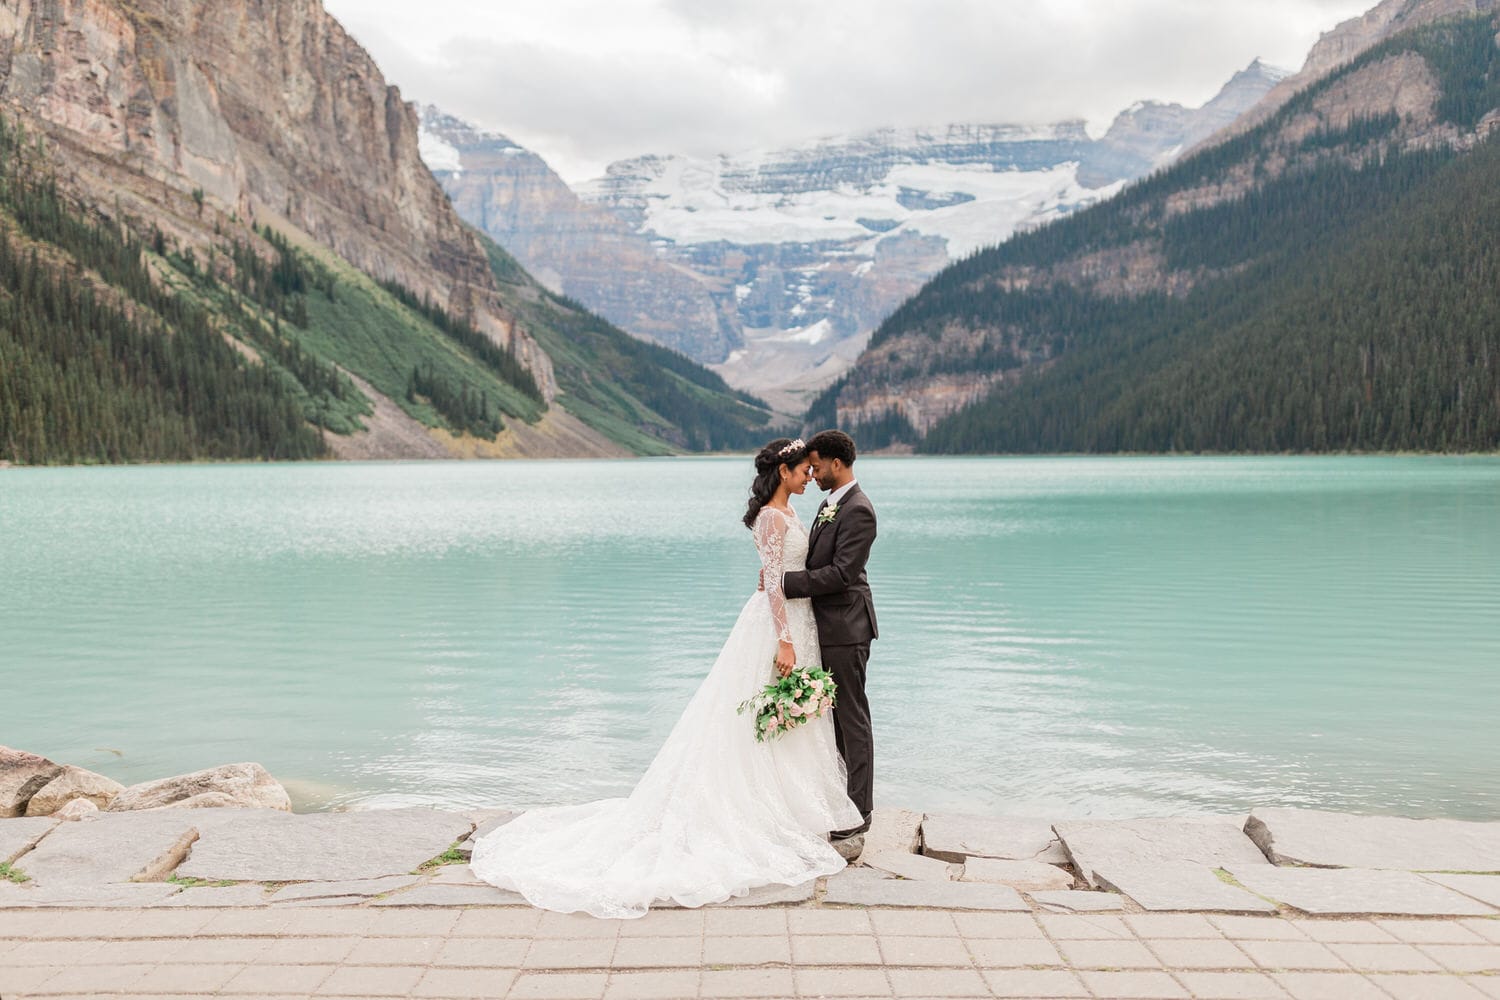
(775, 266)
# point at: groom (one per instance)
(838, 548)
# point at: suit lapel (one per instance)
(818, 525)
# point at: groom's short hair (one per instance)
(833, 444)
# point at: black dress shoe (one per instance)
(851, 832)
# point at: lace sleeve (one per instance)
(770, 542)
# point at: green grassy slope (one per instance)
(644, 396)
(120, 344)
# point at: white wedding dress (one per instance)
(716, 814)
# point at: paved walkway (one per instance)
(808, 950)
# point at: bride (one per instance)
(717, 813)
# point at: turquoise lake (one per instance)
(1061, 636)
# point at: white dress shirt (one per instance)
(838, 495)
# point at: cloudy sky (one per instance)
(585, 82)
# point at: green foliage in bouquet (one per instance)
(786, 703)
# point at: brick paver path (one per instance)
(515, 952)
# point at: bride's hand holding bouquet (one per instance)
(785, 704)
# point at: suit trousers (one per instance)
(851, 721)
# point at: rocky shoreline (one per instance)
(226, 836)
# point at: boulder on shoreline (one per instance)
(75, 810)
(73, 783)
(247, 786)
(22, 775)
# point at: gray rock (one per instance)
(1121, 844)
(1023, 876)
(912, 866)
(17, 836)
(1357, 891)
(1336, 840)
(956, 838)
(270, 846)
(850, 848)
(866, 887)
(485, 821)
(1485, 888)
(118, 847)
(1068, 901)
(247, 785)
(452, 895)
(22, 775)
(455, 875)
(75, 810)
(358, 887)
(1183, 886)
(73, 783)
(893, 831)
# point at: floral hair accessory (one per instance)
(795, 446)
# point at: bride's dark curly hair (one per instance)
(768, 463)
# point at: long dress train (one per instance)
(716, 814)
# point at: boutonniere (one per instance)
(827, 514)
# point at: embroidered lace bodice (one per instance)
(782, 543)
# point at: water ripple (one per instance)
(1060, 636)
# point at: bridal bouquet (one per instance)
(784, 704)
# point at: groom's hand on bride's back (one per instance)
(761, 580)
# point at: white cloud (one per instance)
(585, 82)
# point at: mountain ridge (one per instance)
(1088, 334)
(774, 267)
(245, 169)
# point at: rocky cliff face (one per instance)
(574, 248)
(1152, 134)
(1344, 43)
(265, 109)
(775, 267)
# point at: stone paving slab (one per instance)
(1356, 891)
(957, 837)
(1119, 844)
(1024, 876)
(18, 835)
(862, 887)
(766, 895)
(912, 866)
(452, 895)
(1485, 888)
(219, 896)
(272, 846)
(1071, 901)
(893, 831)
(456, 875)
(74, 897)
(359, 887)
(1180, 887)
(485, 821)
(354, 951)
(1336, 840)
(116, 847)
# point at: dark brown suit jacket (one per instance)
(835, 575)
